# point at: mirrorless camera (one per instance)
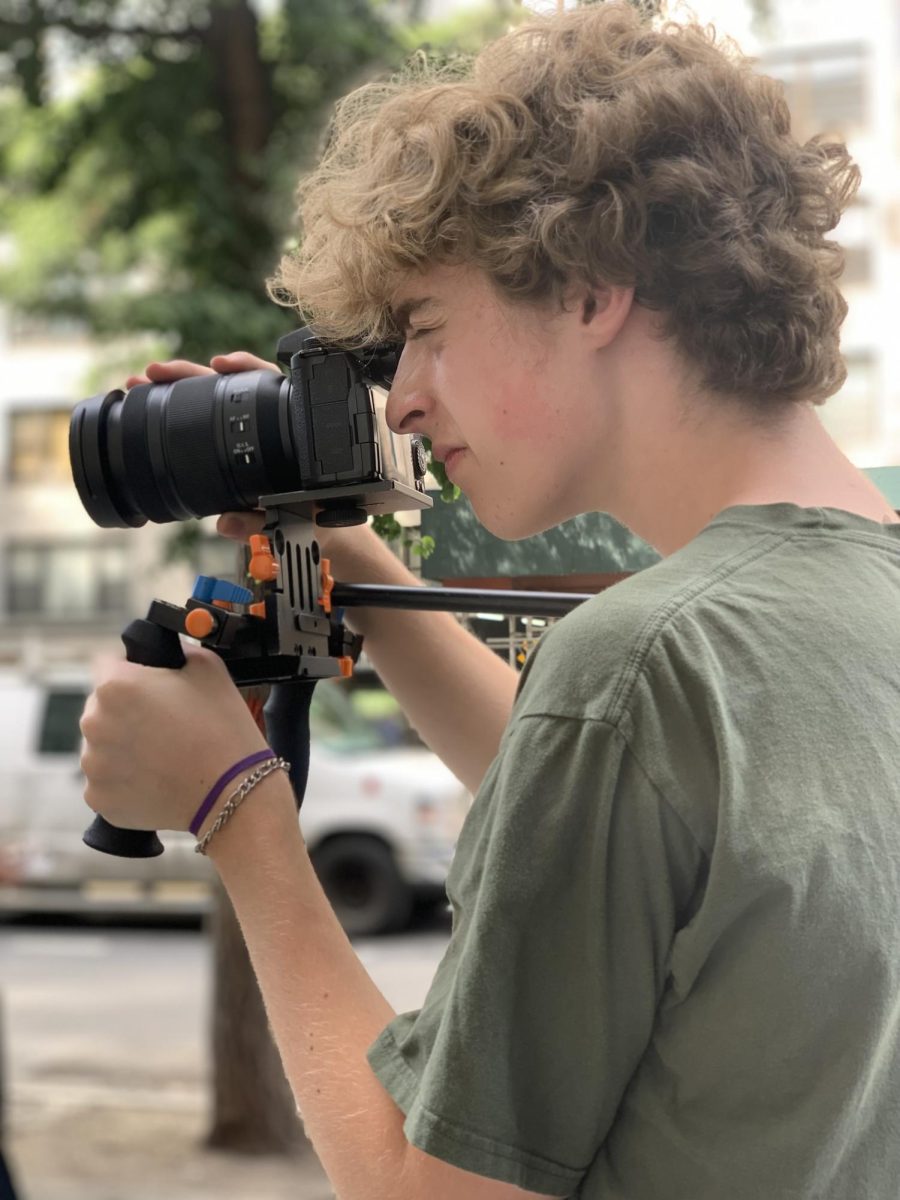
(313, 443)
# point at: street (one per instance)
(105, 1040)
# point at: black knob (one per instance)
(419, 458)
(334, 517)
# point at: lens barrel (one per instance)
(170, 451)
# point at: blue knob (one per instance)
(207, 589)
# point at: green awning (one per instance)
(591, 543)
(887, 480)
(464, 549)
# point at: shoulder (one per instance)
(590, 662)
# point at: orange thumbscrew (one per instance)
(199, 623)
(263, 566)
(327, 585)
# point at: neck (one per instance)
(713, 459)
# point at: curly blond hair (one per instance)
(590, 146)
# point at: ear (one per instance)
(603, 310)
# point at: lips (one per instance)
(442, 453)
(448, 455)
(452, 459)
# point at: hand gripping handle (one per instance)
(152, 646)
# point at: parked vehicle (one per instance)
(381, 813)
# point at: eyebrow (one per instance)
(404, 311)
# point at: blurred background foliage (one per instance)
(154, 193)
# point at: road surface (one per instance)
(106, 1065)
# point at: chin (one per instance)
(514, 526)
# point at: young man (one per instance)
(674, 966)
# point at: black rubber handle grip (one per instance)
(152, 646)
(287, 728)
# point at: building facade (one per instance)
(67, 587)
(840, 65)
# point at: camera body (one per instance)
(347, 455)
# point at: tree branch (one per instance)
(11, 29)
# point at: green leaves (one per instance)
(389, 528)
(156, 198)
(449, 491)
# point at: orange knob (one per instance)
(199, 623)
(327, 585)
(258, 610)
(346, 665)
(263, 567)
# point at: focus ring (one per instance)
(202, 480)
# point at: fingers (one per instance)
(176, 368)
(241, 360)
(240, 525)
(166, 372)
(181, 368)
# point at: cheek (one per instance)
(527, 414)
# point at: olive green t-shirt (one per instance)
(674, 971)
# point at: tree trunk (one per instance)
(253, 1109)
(2, 1070)
(243, 85)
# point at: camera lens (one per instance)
(169, 451)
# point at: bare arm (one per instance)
(325, 1012)
(456, 692)
(154, 740)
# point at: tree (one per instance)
(156, 198)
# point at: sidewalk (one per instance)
(143, 1154)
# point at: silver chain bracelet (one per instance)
(238, 796)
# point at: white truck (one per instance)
(381, 813)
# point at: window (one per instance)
(39, 446)
(25, 327)
(66, 582)
(347, 719)
(59, 728)
(856, 234)
(825, 88)
(857, 266)
(219, 556)
(852, 416)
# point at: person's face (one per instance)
(508, 384)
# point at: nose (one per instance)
(409, 403)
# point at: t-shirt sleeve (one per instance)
(570, 879)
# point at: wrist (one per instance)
(213, 801)
(348, 548)
(243, 779)
(212, 814)
(364, 557)
(266, 819)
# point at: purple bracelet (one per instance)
(216, 789)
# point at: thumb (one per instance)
(240, 525)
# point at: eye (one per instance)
(413, 333)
